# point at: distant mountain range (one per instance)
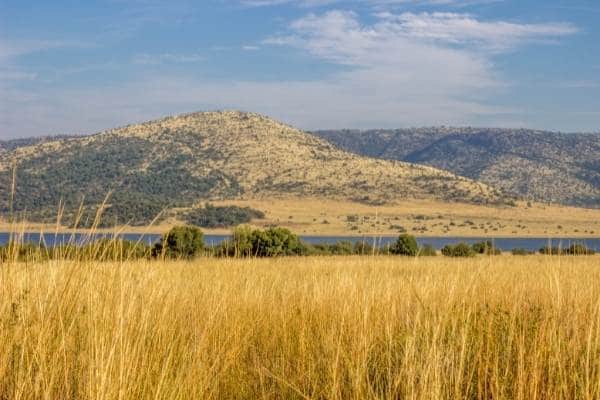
(537, 165)
(179, 161)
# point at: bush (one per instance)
(579, 249)
(275, 242)
(520, 252)
(180, 242)
(27, 252)
(458, 250)
(427, 251)
(110, 250)
(550, 250)
(363, 248)
(99, 250)
(486, 247)
(576, 249)
(222, 217)
(405, 245)
(272, 242)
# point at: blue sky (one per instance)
(71, 67)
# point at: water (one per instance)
(531, 244)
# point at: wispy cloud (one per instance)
(166, 58)
(10, 49)
(399, 69)
(375, 3)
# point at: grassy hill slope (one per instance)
(180, 161)
(541, 166)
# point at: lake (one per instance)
(532, 244)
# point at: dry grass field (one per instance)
(420, 218)
(306, 328)
(426, 218)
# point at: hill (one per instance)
(12, 144)
(180, 161)
(537, 165)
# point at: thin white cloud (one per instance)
(454, 28)
(375, 3)
(166, 58)
(402, 69)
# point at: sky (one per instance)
(74, 67)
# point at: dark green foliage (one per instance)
(122, 209)
(113, 250)
(363, 248)
(579, 249)
(470, 152)
(458, 250)
(576, 249)
(100, 250)
(211, 216)
(427, 251)
(88, 171)
(341, 248)
(273, 242)
(550, 250)
(520, 252)
(180, 242)
(405, 245)
(486, 247)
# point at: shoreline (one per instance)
(304, 234)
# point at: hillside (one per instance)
(541, 166)
(12, 144)
(180, 161)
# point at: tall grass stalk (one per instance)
(313, 327)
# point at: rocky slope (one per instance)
(179, 161)
(542, 166)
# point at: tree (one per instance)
(275, 242)
(458, 250)
(405, 245)
(180, 242)
(242, 241)
(485, 247)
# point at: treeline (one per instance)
(187, 242)
(211, 216)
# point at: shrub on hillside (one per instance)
(180, 242)
(211, 216)
(405, 245)
(458, 250)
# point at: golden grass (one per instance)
(309, 214)
(539, 220)
(335, 328)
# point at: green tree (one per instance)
(485, 247)
(180, 242)
(458, 250)
(242, 241)
(405, 245)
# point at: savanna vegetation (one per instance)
(211, 216)
(301, 328)
(187, 242)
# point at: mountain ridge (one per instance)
(179, 161)
(539, 165)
